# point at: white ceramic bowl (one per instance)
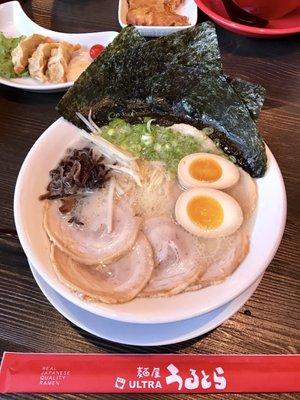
(14, 22)
(188, 9)
(268, 226)
(141, 334)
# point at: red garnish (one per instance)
(96, 50)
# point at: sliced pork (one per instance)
(83, 233)
(221, 257)
(118, 282)
(176, 258)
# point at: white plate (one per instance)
(142, 334)
(14, 22)
(188, 9)
(268, 226)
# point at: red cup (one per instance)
(268, 9)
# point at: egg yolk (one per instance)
(205, 212)
(205, 169)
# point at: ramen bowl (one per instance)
(268, 224)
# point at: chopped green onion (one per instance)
(157, 147)
(111, 132)
(151, 142)
(148, 125)
(208, 130)
(147, 139)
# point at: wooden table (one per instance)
(269, 321)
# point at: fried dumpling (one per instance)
(158, 4)
(221, 257)
(173, 4)
(169, 18)
(79, 62)
(87, 239)
(140, 16)
(150, 16)
(118, 282)
(59, 60)
(21, 54)
(155, 12)
(37, 64)
(176, 258)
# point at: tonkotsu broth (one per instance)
(157, 198)
(158, 195)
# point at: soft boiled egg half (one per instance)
(207, 170)
(208, 213)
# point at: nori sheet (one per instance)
(199, 102)
(135, 110)
(173, 78)
(101, 77)
(116, 72)
(194, 47)
(252, 94)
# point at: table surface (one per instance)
(269, 321)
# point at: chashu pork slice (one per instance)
(117, 282)
(176, 258)
(24, 50)
(37, 64)
(92, 243)
(221, 257)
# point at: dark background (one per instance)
(269, 321)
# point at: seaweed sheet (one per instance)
(199, 102)
(114, 73)
(101, 77)
(252, 94)
(173, 78)
(194, 47)
(209, 99)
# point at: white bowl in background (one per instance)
(267, 230)
(188, 9)
(14, 22)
